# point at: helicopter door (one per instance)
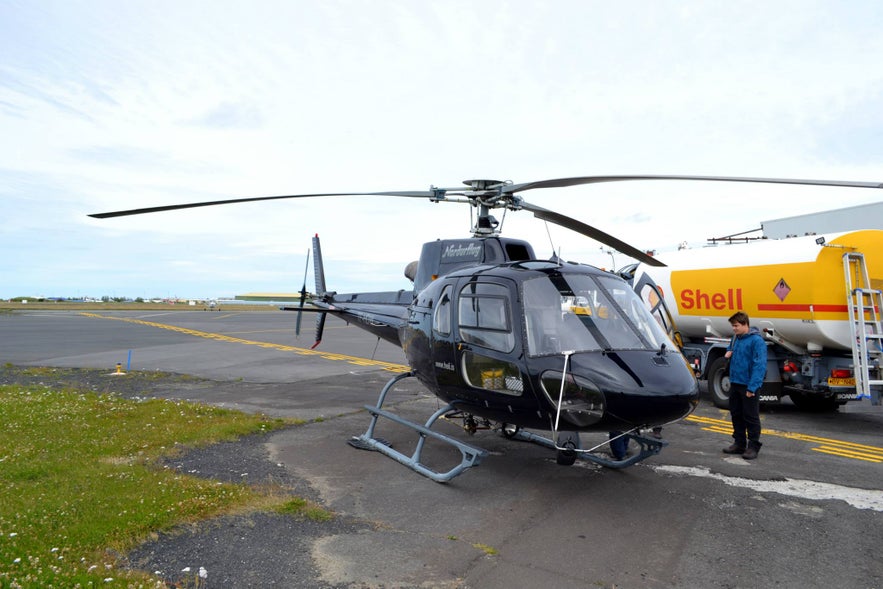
(483, 344)
(443, 357)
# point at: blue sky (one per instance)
(109, 105)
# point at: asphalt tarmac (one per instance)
(807, 513)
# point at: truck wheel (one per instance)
(719, 384)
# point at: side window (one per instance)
(652, 297)
(484, 316)
(654, 305)
(491, 374)
(441, 321)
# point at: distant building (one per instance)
(868, 216)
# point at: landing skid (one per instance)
(470, 455)
(568, 444)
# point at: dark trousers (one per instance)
(745, 413)
(619, 447)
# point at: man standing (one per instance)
(747, 354)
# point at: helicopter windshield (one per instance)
(581, 313)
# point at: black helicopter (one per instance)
(515, 343)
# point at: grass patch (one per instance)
(302, 508)
(489, 550)
(43, 371)
(81, 481)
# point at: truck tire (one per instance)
(719, 384)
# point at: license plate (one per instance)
(841, 382)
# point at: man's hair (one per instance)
(740, 317)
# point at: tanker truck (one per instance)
(815, 299)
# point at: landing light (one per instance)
(583, 403)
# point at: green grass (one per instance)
(489, 550)
(302, 508)
(81, 482)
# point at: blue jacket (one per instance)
(748, 362)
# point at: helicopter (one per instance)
(517, 344)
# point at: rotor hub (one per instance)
(486, 184)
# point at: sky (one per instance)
(108, 105)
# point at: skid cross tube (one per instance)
(647, 447)
(470, 455)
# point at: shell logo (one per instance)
(696, 299)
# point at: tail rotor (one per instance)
(303, 297)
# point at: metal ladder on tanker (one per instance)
(865, 306)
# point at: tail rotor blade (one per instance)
(303, 296)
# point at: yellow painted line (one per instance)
(848, 454)
(718, 430)
(709, 420)
(838, 443)
(388, 366)
(261, 331)
(824, 445)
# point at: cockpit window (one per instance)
(577, 312)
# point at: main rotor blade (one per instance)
(510, 189)
(563, 182)
(592, 232)
(193, 205)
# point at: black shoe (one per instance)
(750, 454)
(736, 449)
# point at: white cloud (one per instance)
(107, 106)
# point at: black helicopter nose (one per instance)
(629, 410)
(622, 389)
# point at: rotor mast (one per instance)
(485, 196)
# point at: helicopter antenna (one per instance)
(549, 234)
(471, 220)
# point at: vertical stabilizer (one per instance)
(318, 267)
(321, 290)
